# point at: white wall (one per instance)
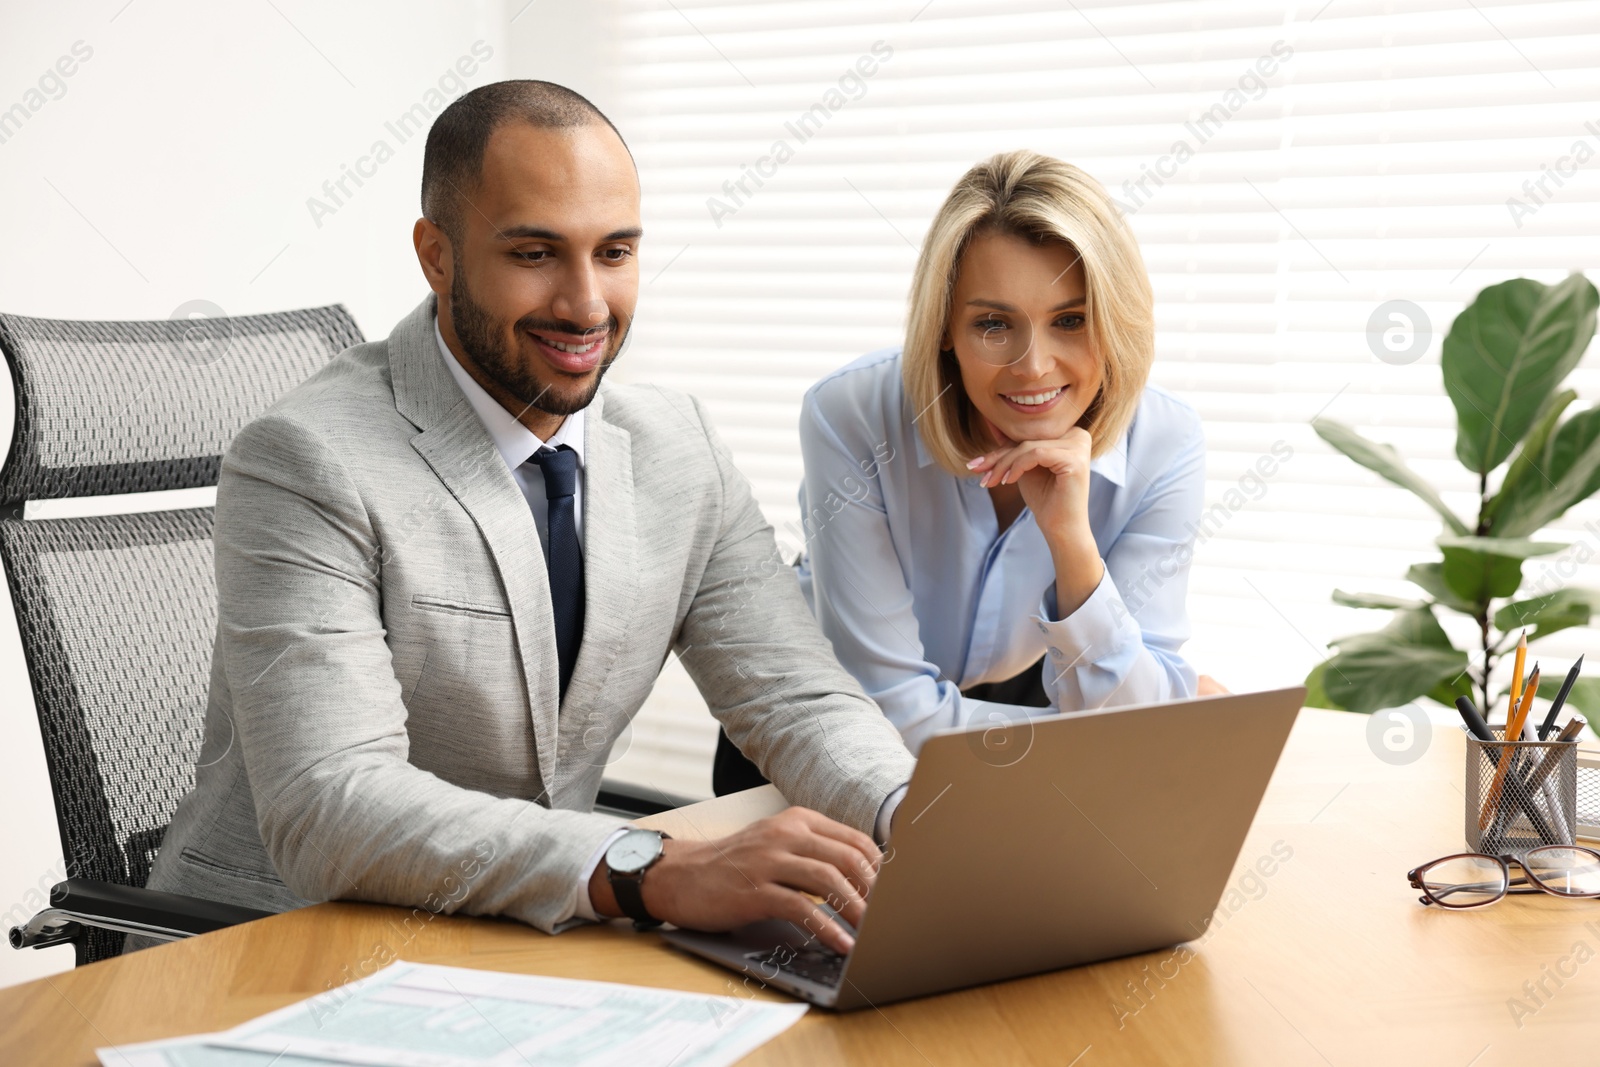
(175, 164)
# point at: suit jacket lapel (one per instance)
(455, 444)
(610, 578)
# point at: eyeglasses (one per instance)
(1473, 879)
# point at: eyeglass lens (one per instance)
(1465, 881)
(1564, 871)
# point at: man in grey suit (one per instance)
(450, 566)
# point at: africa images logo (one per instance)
(850, 86)
(408, 124)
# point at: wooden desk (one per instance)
(1327, 959)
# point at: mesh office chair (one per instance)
(117, 613)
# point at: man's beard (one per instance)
(482, 336)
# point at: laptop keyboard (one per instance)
(812, 964)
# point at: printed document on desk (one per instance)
(425, 1015)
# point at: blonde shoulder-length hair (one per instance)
(1039, 198)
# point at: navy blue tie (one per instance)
(565, 562)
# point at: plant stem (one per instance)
(1488, 662)
(1483, 609)
(1483, 504)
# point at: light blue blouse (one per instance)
(922, 596)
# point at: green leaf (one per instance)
(1316, 692)
(1566, 471)
(1530, 457)
(1373, 600)
(1584, 698)
(1505, 354)
(1478, 569)
(1547, 614)
(1430, 576)
(1386, 461)
(1459, 685)
(1409, 658)
(1415, 626)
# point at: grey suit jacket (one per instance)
(383, 720)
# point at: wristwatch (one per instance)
(626, 861)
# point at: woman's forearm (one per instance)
(1079, 567)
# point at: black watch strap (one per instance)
(630, 898)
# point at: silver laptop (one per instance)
(1041, 844)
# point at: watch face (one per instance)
(633, 851)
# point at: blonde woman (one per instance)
(1000, 514)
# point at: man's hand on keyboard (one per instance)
(763, 871)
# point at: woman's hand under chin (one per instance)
(1054, 479)
(1053, 476)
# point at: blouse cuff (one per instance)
(885, 820)
(1101, 625)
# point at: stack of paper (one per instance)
(422, 1015)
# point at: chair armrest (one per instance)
(80, 902)
(628, 799)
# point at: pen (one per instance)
(1569, 732)
(1474, 721)
(1539, 780)
(1561, 698)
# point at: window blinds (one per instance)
(1287, 168)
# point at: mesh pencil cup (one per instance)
(1520, 794)
(1589, 795)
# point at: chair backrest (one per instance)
(117, 613)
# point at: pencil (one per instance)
(1513, 732)
(1524, 706)
(1517, 667)
(1561, 698)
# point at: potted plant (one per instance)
(1504, 362)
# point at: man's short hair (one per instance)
(452, 161)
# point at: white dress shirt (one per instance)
(517, 444)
